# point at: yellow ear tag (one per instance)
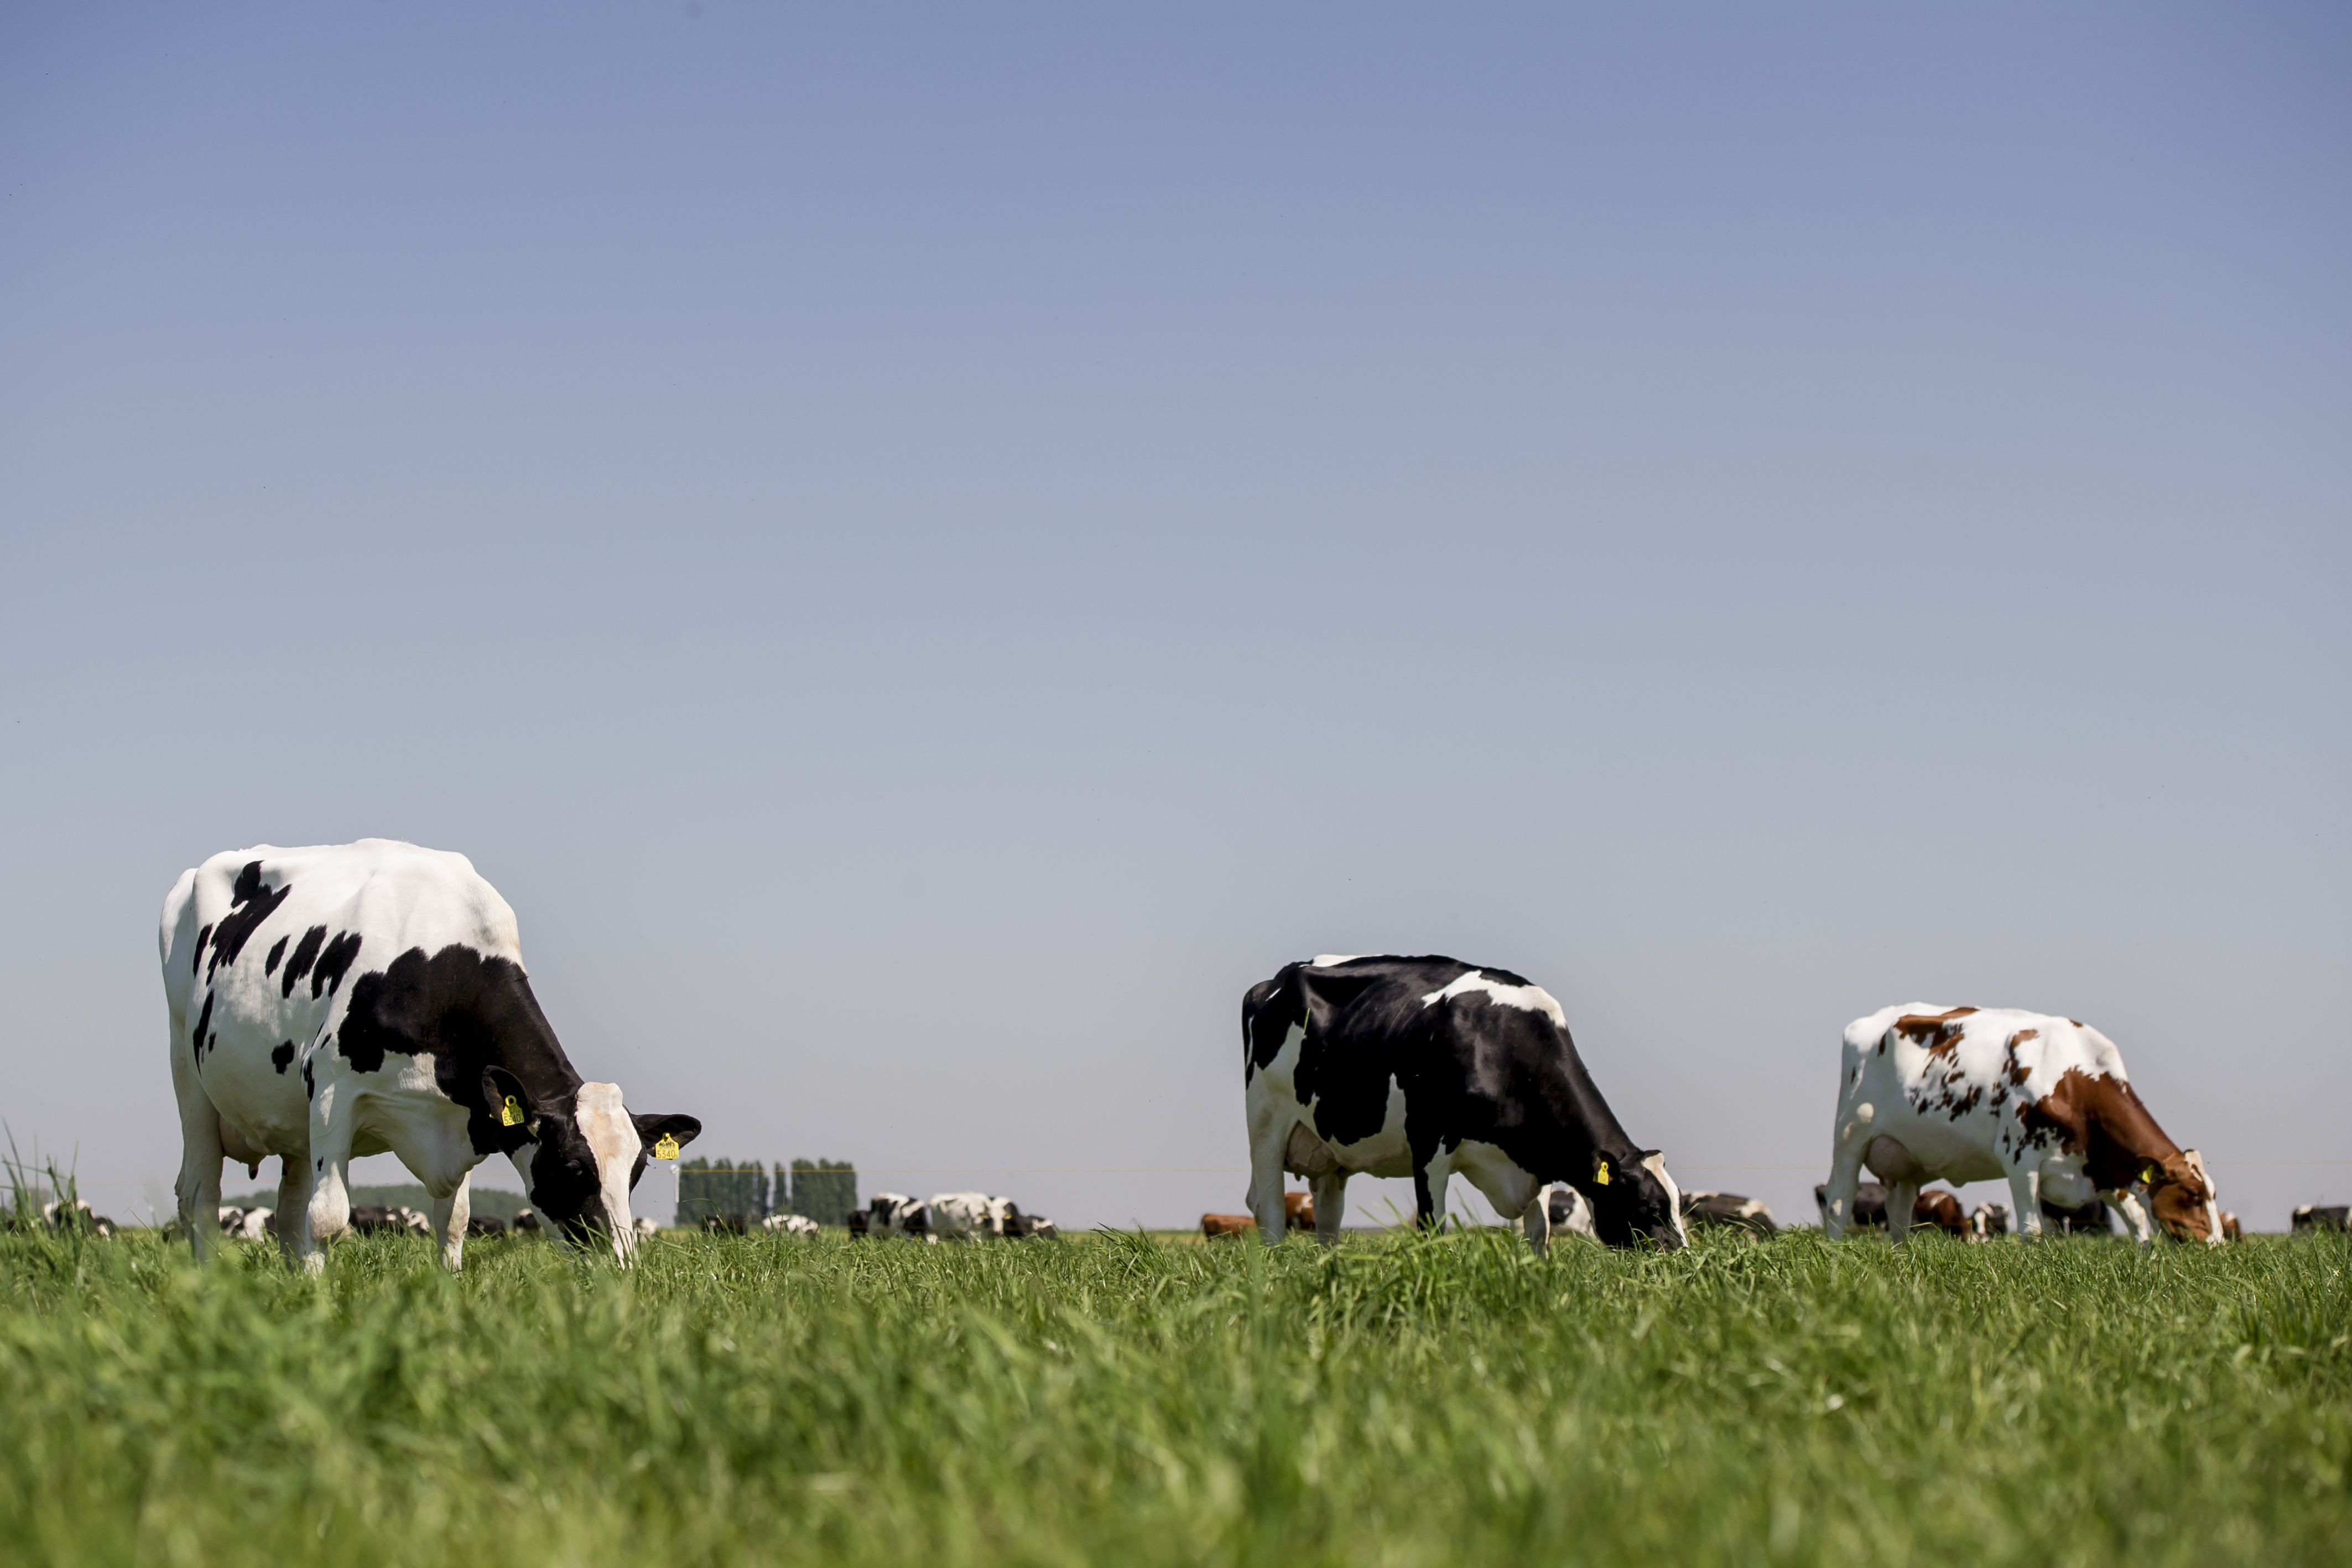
(2148, 1175)
(1600, 1173)
(665, 1147)
(511, 1113)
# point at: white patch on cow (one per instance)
(1527, 999)
(1656, 1166)
(1332, 960)
(960, 1216)
(612, 1139)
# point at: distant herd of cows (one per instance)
(338, 1001)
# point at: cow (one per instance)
(256, 1224)
(798, 1227)
(2231, 1231)
(1033, 1227)
(376, 1219)
(1729, 1209)
(887, 1212)
(1939, 1209)
(731, 1224)
(963, 1215)
(1986, 1220)
(351, 999)
(2081, 1218)
(1971, 1094)
(2311, 1219)
(1215, 1225)
(75, 1216)
(485, 1225)
(525, 1223)
(1425, 1067)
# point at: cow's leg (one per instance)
(293, 1200)
(1845, 1176)
(2135, 1213)
(330, 1209)
(1901, 1197)
(199, 1183)
(1267, 1144)
(1535, 1222)
(1330, 1203)
(449, 1217)
(1429, 1179)
(2025, 1196)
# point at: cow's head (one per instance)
(584, 1155)
(2182, 1196)
(1634, 1201)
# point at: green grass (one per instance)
(1123, 1400)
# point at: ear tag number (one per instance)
(665, 1147)
(1600, 1173)
(511, 1113)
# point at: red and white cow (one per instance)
(1973, 1095)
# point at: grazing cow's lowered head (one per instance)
(2181, 1195)
(1634, 1200)
(582, 1154)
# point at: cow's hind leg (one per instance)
(199, 1184)
(2025, 1196)
(1429, 1178)
(1901, 1197)
(1265, 1188)
(1845, 1178)
(1330, 1204)
(330, 1209)
(293, 1201)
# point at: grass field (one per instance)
(1112, 1399)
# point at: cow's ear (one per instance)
(664, 1136)
(511, 1108)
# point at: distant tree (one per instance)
(821, 1190)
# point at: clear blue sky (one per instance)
(924, 549)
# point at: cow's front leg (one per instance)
(1330, 1203)
(2135, 1219)
(1429, 1178)
(1267, 1146)
(2025, 1196)
(450, 1215)
(1845, 1179)
(1901, 1199)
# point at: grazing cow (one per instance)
(799, 1227)
(644, 1225)
(1940, 1210)
(1869, 1207)
(1215, 1225)
(231, 1220)
(484, 1225)
(1425, 1067)
(2309, 1219)
(860, 1222)
(1728, 1208)
(257, 1225)
(887, 1213)
(76, 1216)
(962, 1216)
(349, 999)
(525, 1223)
(375, 1219)
(725, 1224)
(1970, 1095)
(1986, 1220)
(1033, 1227)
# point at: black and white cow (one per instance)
(356, 998)
(1426, 1067)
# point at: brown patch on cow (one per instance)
(2102, 1119)
(1299, 1211)
(1939, 1033)
(1215, 1225)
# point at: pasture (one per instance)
(1132, 1399)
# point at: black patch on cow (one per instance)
(306, 953)
(277, 951)
(310, 1084)
(196, 959)
(196, 1038)
(250, 904)
(477, 1016)
(334, 963)
(1470, 1067)
(282, 1057)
